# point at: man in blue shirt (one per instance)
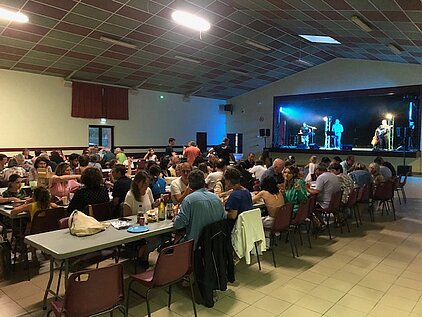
(199, 208)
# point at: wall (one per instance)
(254, 109)
(36, 112)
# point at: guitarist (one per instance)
(381, 135)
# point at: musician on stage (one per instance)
(338, 129)
(305, 132)
(380, 139)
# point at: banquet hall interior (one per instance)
(126, 74)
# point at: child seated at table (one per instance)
(41, 199)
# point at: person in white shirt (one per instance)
(214, 177)
(258, 169)
(179, 188)
(139, 197)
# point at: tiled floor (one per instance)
(374, 271)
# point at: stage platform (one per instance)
(359, 151)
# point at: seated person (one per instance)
(121, 186)
(198, 209)
(258, 169)
(180, 186)
(93, 191)
(12, 168)
(213, 177)
(273, 199)
(377, 178)
(139, 198)
(293, 188)
(239, 200)
(40, 162)
(41, 200)
(150, 156)
(14, 188)
(158, 184)
(62, 183)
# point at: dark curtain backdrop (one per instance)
(115, 102)
(87, 100)
(97, 101)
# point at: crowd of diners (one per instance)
(206, 187)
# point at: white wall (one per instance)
(36, 112)
(253, 110)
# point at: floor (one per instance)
(375, 270)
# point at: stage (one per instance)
(330, 152)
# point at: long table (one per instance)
(61, 245)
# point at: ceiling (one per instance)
(63, 39)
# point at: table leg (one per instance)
(50, 280)
(66, 272)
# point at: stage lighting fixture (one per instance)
(281, 109)
(389, 116)
(325, 118)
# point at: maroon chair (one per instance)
(281, 224)
(87, 259)
(43, 221)
(174, 263)
(91, 292)
(351, 204)
(302, 219)
(400, 187)
(101, 212)
(333, 208)
(365, 197)
(384, 193)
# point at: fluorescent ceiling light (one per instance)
(320, 39)
(395, 48)
(360, 23)
(187, 59)
(13, 16)
(304, 62)
(258, 45)
(117, 42)
(238, 71)
(191, 21)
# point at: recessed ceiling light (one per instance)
(117, 42)
(238, 71)
(13, 16)
(191, 21)
(187, 59)
(320, 39)
(395, 48)
(304, 62)
(258, 45)
(360, 23)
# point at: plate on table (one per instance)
(138, 229)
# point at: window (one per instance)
(101, 135)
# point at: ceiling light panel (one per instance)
(320, 39)
(191, 21)
(13, 16)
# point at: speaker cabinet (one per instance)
(228, 108)
(261, 132)
(267, 132)
(404, 169)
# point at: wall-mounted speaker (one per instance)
(261, 132)
(267, 132)
(228, 108)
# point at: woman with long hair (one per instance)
(294, 188)
(139, 197)
(272, 197)
(62, 183)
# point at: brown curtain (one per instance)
(115, 102)
(87, 100)
(97, 101)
